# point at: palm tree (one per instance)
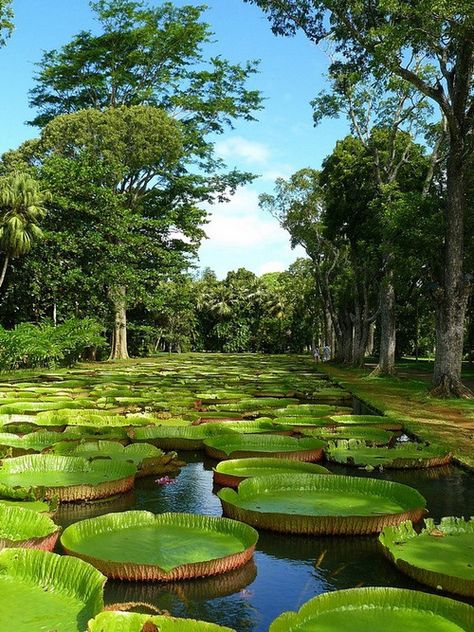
(21, 208)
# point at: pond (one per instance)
(288, 570)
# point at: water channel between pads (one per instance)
(288, 570)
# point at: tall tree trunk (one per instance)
(454, 293)
(4, 270)
(371, 340)
(388, 331)
(119, 350)
(342, 350)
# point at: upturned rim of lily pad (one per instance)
(239, 504)
(382, 599)
(74, 541)
(395, 543)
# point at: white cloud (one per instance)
(243, 202)
(247, 150)
(278, 171)
(271, 266)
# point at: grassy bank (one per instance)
(448, 422)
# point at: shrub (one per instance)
(44, 345)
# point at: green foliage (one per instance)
(32, 346)
(6, 17)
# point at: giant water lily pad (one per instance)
(404, 456)
(375, 421)
(138, 545)
(255, 404)
(241, 446)
(148, 459)
(371, 436)
(42, 591)
(309, 410)
(232, 472)
(33, 442)
(320, 504)
(115, 621)
(68, 478)
(441, 556)
(192, 437)
(20, 527)
(387, 609)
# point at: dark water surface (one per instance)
(288, 570)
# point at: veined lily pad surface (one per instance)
(441, 556)
(114, 621)
(138, 545)
(405, 456)
(42, 591)
(368, 420)
(67, 477)
(309, 410)
(35, 505)
(192, 437)
(321, 504)
(235, 446)
(377, 609)
(371, 436)
(34, 442)
(231, 472)
(20, 527)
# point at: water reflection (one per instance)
(288, 570)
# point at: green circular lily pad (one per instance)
(371, 436)
(404, 456)
(45, 591)
(242, 446)
(148, 459)
(441, 556)
(33, 442)
(376, 421)
(232, 472)
(66, 477)
(377, 609)
(21, 527)
(309, 410)
(141, 546)
(115, 621)
(319, 504)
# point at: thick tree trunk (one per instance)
(119, 350)
(343, 338)
(388, 332)
(453, 295)
(359, 343)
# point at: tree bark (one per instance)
(388, 331)
(371, 340)
(454, 292)
(4, 270)
(343, 338)
(119, 349)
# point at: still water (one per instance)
(287, 570)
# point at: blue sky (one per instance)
(280, 142)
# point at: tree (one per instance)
(151, 57)
(6, 17)
(299, 205)
(384, 114)
(141, 147)
(21, 208)
(429, 44)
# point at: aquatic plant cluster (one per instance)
(88, 434)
